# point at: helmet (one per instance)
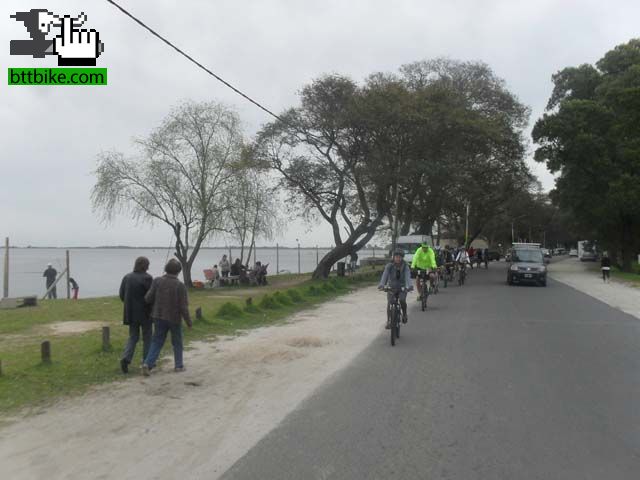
(399, 253)
(425, 245)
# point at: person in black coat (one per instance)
(137, 313)
(50, 274)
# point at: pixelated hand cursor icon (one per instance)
(76, 46)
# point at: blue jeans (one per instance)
(162, 327)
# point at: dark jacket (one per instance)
(396, 276)
(133, 288)
(168, 295)
(51, 274)
(605, 262)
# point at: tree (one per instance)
(319, 149)
(470, 146)
(255, 210)
(590, 136)
(182, 178)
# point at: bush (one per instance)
(251, 308)
(229, 310)
(282, 298)
(313, 291)
(328, 287)
(339, 283)
(295, 296)
(269, 303)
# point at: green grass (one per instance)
(78, 361)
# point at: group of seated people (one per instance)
(239, 273)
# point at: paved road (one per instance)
(493, 382)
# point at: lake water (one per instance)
(99, 271)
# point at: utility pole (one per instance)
(68, 275)
(277, 258)
(466, 228)
(5, 285)
(298, 241)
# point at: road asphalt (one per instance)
(492, 382)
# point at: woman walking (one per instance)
(605, 265)
(168, 295)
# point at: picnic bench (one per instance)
(220, 281)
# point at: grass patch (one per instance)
(78, 361)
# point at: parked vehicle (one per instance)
(546, 253)
(493, 255)
(573, 252)
(587, 251)
(527, 265)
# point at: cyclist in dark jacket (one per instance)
(397, 275)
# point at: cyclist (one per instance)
(424, 259)
(448, 258)
(462, 258)
(398, 276)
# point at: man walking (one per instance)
(50, 274)
(168, 295)
(133, 288)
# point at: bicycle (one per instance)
(448, 274)
(424, 288)
(394, 313)
(436, 281)
(462, 273)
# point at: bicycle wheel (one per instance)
(399, 322)
(445, 279)
(425, 294)
(393, 328)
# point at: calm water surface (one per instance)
(99, 271)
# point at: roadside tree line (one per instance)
(401, 152)
(590, 137)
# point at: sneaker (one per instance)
(124, 366)
(388, 326)
(178, 369)
(405, 319)
(146, 370)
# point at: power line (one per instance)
(190, 58)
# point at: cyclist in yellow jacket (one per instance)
(424, 259)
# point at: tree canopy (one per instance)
(590, 136)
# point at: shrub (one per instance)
(313, 291)
(229, 310)
(282, 298)
(328, 287)
(295, 296)
(269, 303)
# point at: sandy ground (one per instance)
(580, 276)
(196, 424)
(74, 327)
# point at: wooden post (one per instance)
(68, 275)
(45, 351)
(5, 285)
(317, 256)
(199, 313)
(106, 344)
(277, 258)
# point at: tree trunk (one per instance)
(354, 243)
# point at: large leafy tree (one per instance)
(320, 149)
(590, 136)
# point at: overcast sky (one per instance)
(268, 48)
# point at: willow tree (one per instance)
(182, 177)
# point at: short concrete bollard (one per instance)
(198, 313)
(45, 351)
(106, 341)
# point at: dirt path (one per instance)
(195, 424)
(587, 279)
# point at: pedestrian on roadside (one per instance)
(75, 288)
(225, 266)
(353, 262)
(605, 265)
(170, 305)
(215, 277)
(136, 315)
(51, 274)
